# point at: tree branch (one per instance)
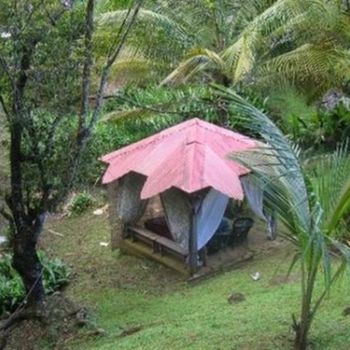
(89, 28)
(84, 129)
(7, 70)
(6, 214)
(3, 105)
(111, 59)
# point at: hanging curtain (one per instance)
(178, 215)
(129, 206)
(209, 216)
(255, 197)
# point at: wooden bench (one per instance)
(172, 247)
(143, 235)
(159, 244)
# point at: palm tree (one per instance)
(303, 42)
(310, 206)
(168, 31)
(157, 41)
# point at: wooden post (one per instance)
(117, 225)
(193, 249)
(203, 254)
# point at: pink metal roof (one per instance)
(190, 156)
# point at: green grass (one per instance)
(123, 292)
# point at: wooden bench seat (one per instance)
(173, 247)
(159, 244)
(143, 235)
(140, 231)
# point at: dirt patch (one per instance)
(282, 279)
(236, 298)
(64, 321)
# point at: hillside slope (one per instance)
(142, 305)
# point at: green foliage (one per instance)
(331, 184)
(55, 276)
(295, 42)
(311, 127)
(293, 114)
(149, 53)
(160, 104)
(11, 287)
(310, 209)
(6, 231)
(54, 78)
(80, 203)
(317, 127)
(54, 138)
(332, 126)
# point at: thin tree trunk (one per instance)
(303, 327)
(25, 259)
(27, 264)
(302, 334)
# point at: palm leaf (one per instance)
(300, 200)
(198, 61)
(287, 188)
(321, 63)
(112, 20)
(120, 116)
(240, 56)
(331, 180)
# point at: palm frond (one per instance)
(310, 207)
(286, 186)
(240, 56)
(112, 20)
(136, 70)
(120, 116)
(319, 63)
(331, 181)
(200, 60)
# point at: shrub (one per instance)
(80, 202)
(55, 276)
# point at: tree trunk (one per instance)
(26, 262)
(301, 336)
(302, 328)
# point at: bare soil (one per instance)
(64, 320)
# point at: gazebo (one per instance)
(187, 167)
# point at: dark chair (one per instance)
(240, 229)
(220, 238)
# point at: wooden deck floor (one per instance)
(226, 259)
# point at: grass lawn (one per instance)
(128, 293)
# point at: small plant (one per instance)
(55, 276)
(80, 202)
(5, 235)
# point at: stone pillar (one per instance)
(193, 247)
(117, 225)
